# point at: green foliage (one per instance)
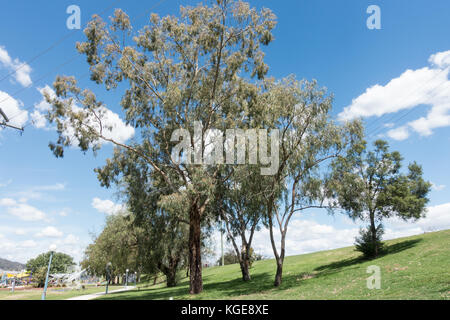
(39, 276)
(413, 268)
(230, 257)
(369, 185)
(60, 262)
(204, 65)
(365, 242)
(116, 244)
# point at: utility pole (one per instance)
(6, 119)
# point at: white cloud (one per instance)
(113, 127)
(12, 108)
(26, 212)
(440, 59)
(38, 115)
(7, 202)
(23, 211)
(43, 105)
(22, 251)
(49, 232)
(39, 192)
(22, 70)
(436, 187)
(437, 217)
(107, 206)
(38, 119)
(400, 133)
(71, 239)
(428, 86)
(27, 244)
(19, 232)
(51, 187)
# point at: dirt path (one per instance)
(96, 295)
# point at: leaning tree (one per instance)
(198, 67)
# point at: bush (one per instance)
(39, 276)
(365, 244)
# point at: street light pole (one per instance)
(108, 275)
(126, 278)
(44, 294)
(221, 242)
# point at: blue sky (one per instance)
(395, 77)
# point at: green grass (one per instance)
(416, 267)
(52, 293)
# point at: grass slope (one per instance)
(416, 267)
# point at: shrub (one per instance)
(365, 244)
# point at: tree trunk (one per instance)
(373, 230)
(280, 260)
(244, 269)
(171, 277)
(195, 256)
(279, 274)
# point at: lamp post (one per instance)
(126, 278)
(108, 275)
(221, 243)
(44, 294)
(135, 279)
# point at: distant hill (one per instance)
(11, 265)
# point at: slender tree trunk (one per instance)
(279, 274)
(195, 256)
(278, 258)
(280, 261)
(244, 263)
(373, 230)
(241, 255)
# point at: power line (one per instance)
(51, 47)
(379, 128)
(34, 84)
(409, 93)
(67, 62)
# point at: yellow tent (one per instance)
(23, 275)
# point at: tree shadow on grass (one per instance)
(400, 246)
(230, 288)
(391, 249)
(260, 283)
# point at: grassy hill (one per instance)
(416, 267)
